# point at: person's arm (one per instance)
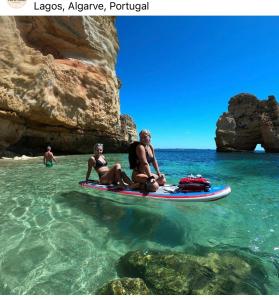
(143, 161)
(53, 158)
(44, 159)
(155, 163)
(91, 163)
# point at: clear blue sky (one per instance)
(178, 73)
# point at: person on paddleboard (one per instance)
(106, 175)
(143, 156)
(49, 158)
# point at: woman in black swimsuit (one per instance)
(145, 156)
(106, 175)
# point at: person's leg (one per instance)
(139, 177)
(126, 178)
(108, 177)
(143, 179)
(113, 175)
(117, 174)
(152, 186)
(161, 180)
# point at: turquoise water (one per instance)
(59, 238)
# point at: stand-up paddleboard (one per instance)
(166, 193)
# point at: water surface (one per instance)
(59, 238)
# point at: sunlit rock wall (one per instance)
(58, 84)
(249, 122)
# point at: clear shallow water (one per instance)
(59, 238)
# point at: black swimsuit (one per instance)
(149, 159)
(100, 164)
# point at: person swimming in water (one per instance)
(113, 175)
(49, 158)
(144, 156)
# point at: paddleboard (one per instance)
(166, 192)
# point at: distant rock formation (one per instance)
(58, 85)
(249, 122)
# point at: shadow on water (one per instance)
(127, 221)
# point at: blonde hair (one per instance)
(97, 145)
(146, 131)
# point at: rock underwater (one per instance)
(211, 271)
(125, 286)
(58, 85)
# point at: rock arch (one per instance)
(248, 122)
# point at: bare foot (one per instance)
(134, 186)
(121, 184)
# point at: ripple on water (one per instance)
(57, 238)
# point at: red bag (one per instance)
(192, 183)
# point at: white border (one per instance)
(156, 8)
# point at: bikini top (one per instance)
(100, 164)
(149, 158)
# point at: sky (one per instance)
(178, 73)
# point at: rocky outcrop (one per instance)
(249, 122)
(128, 128)
(58, 85)
(212, 273)
(125, 286)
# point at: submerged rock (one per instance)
(248, 122)
(181, 274)
(125, 286)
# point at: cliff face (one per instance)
(58, 84)
(128, 128)
(249, 122)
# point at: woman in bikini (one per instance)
(145, 156)
(107, 175)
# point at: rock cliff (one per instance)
(248, 122)
(58, 85)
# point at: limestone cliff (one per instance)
(249, 122)
(58, 85)
(128, 128)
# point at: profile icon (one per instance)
(16, 3)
